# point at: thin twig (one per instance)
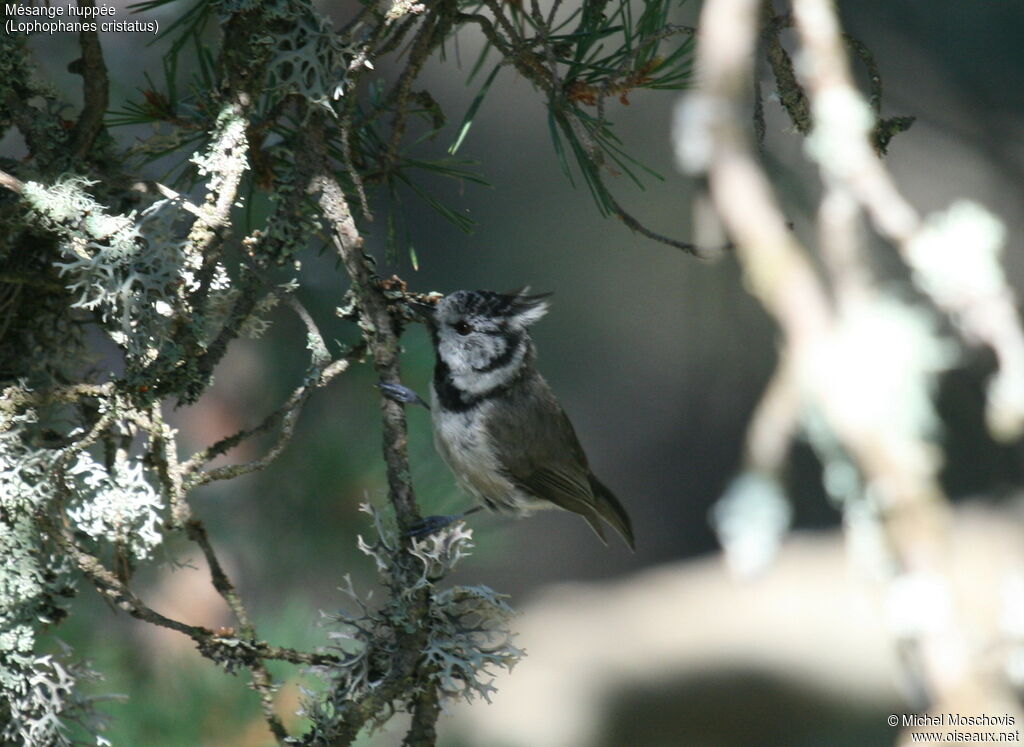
(429, 34)
(635, 225)
(759, 124)
(791, 93)
(871, 67)
(261, 678)
(12, 183)
(345, 130)
(378, 328)
(165, 454)
(176, 197)
(210, 643)
(197, 533)
(392, 41)
(95, 90)
(322, 371)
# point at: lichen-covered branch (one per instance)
(381, 330)
(287, 110)
(379, 325)
(423, 645)
(981, 304)
(791, 92)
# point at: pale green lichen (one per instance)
(401, 8)
(121, 266)
(467, 631)
(839, 139)
(956, 256)
(469, 635)
(894, 399)
(750, 519)
(138, 271)
(226, 158)
(307, 58)
(37, 692)
(956, 259)
(117, 505)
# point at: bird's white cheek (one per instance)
(455, 354)
(465, 354)
(446, 350)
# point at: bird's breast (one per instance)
(464, 444)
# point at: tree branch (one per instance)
(261, 679)
(95, 90)
(854, 417)
(425, 712)
(322, 371)
(379, 327)
(12, 183)
(518, 51)
(381, 330)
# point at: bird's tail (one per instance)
(609, 509)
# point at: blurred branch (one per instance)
(983, 309)
(876, 412)
(775, 422)
(220, 648)
(792, 95)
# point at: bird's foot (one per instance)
(430, 524)
(401, 394)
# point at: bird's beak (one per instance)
(424, 311)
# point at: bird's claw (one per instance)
(402, 394)
(430, 524)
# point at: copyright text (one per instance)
(949, 728)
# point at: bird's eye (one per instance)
(463, 328)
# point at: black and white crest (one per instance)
(517, 306)
(482, 342)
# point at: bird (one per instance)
(496, 422)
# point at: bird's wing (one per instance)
(542, 455)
